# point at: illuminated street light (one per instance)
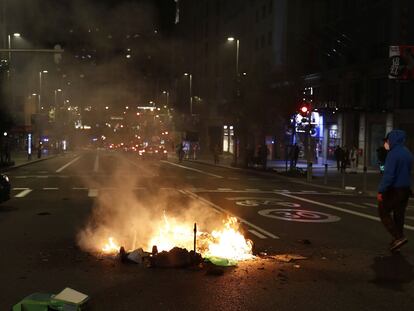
(191, 91)
(231, 39)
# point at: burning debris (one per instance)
(170, 245)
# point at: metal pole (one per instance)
(325, 180)
(309, 175)
(195, 237)
(191, 94)
(9, 46)
(364, 186)
(40, 90)
(237, 57)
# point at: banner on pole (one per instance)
(401, 62)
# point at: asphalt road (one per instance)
(348, 265)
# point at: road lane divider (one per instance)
(23, 193)
(51, 188)
(258, 234)
(93, 193)
(192, 169)
(353, 204)
(67, 164)
(226, 212)
(340, 209)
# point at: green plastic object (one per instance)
(223, 262)
(34, 302)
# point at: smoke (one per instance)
(134, 218)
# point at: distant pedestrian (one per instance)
(344, 160)
(353, 156)
(196, 148)
(180, 152)
(338, 153)
(395, 187)
(296, 151)
(216, 154)
(263, 153)
(382, 156)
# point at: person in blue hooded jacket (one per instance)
(395, 187)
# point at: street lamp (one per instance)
(167, 94)
(232, 39)
(41, 73)
(9, 41)
(56, 91)
(191, 91)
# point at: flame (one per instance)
(111, 247)
(227, 242)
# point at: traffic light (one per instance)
(304, 109)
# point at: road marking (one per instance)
(93, 193)
(339, 209)
(20, 177)
(224, 189)
(299, 215)
(52, 188)
(224, 211)
(352, 204)
(371, 205)
(410, 217)
(20, 188)
(309, 191)
(79, 188)
(250, 189)
(96, 164)
(192, 169)
(233, 178)
(23, 193)
(42, 176)
(67, 164)
(258, 234)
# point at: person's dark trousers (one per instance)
(394, 201)
(338, 164)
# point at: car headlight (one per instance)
(6, 178)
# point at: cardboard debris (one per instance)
(288, 257)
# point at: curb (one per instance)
(10, 168)
(293, 180)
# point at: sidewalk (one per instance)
(20, 159)
(335, 180)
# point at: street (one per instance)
(348, 265)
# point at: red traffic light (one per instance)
(304, 109)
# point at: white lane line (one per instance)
(371, 205)
(233, 178)
(67, 164)
(250, 189)
(93, 193)
(309, 191)
(79, 188)
(258, 234)
(340, 209)
(224, 189)
(52, 188)
(410, 217)
(20, 188)
(192, 169)
(96, 164)
(42, 176)
(224, 211)
(23, 193)
(20, 177)
(353, 204)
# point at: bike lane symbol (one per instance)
(299, 215)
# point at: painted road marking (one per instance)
(410, 217)
(23, 193)
(299, 215)
(224, 211)
(20, 189)
(353, 204)
(52, 188)
(330, 206)
(224, 189)
(93, 193)
(258, 234)
(233, 178)
(192, 169)
(371, 205)
(67, 164)
(79, 188)
(96, 164)
(252, 189)
(20, 177)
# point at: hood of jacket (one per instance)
(396, 137)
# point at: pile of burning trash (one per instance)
(170, 247)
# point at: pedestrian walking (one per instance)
(344, 160)
(395, 187)
(296, 151)
(180, 152)
(353, 155)
(338, 153)
(216, 153)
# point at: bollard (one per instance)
(309, 175)
(343, 179)
(325, 177)
(364, 179)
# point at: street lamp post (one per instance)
(56, 91)
(167, 94)
(232, 39)
(191, 91)
(40, 87)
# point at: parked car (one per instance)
(4, 188)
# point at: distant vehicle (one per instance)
(4, 188)
(153, 153)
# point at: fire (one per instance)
(227, 242)
(111, 247)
